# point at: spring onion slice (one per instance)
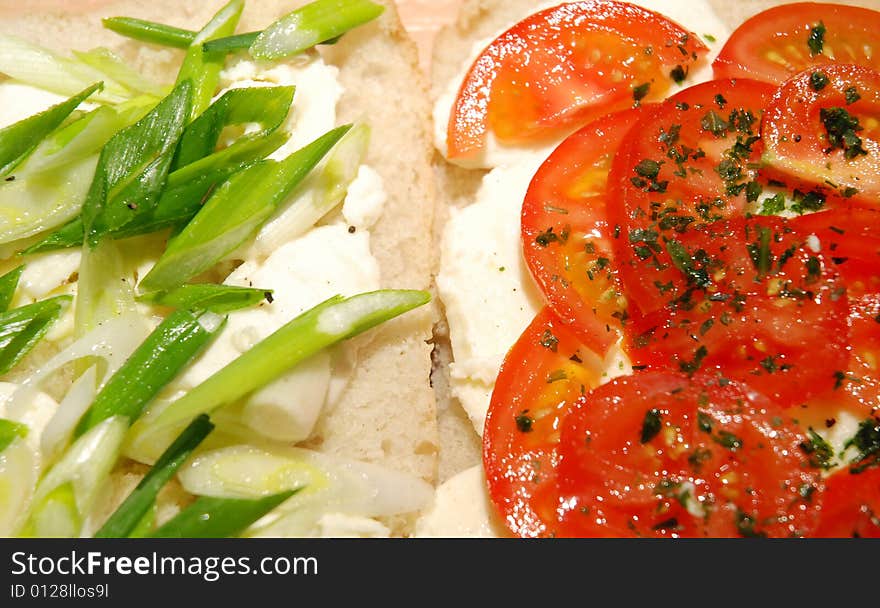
(233, 213)
(10, 431)
(218, 299)
(21, 138)
(324, 189)
(230, 44)
(150, 31)
(210, 517)
(84, 468)
(138, 504)
(311, 24)
(104, 60)
(19, 469)
(328, 323)
(204, 71)
(134, 165)
(36, 66)
(21, 328)
(8, 285)
(155, 363)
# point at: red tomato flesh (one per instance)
(851, 505)
(544, 373)
(565, 232)
(659, 454)
(784, 40)
(565, 66)
(830, 136)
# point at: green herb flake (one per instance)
(867, 442)
(549, 341)
(851, 94)
(818, 81)
(651, 425)
(524, 422)
(728, 440)
(714, 124)
(816, 41)
(641, 91)
(678, 74)
(820, 453)
(691, 367)
(841, 128)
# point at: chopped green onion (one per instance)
(19, 468)
(218, 299)
(210, 517)
(312, 24)
(131, 512)
(20, 139)
(134, 165)
(203, 71)
(104, 60)
(230, 44)
(21, 328)
(233, 213)
(10, 431)
(155, 363)
(39, 67)
(149, 31)
(56, 515)
(8, 285)
(83, 469)
(320, 195)
(328, 323)
(102, 291)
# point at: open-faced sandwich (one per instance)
(206, 210)
(660, 269)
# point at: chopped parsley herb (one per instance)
(849, 192)
(851, 94)
(745, 525)
(556, 376)
(753, 191)
(816, 41)
(698, 457)
(818, 81)
(714, 124)
(769, 364)
(641, 91)
(704, 422)
(811, 201)
(647, 171)
(668, 524)
(691, 367)
(820, 453)
(728, 440)
(548, 236)
(720, 101)
(867, 442)
(709, 38)
(759, 251)
(841, 127)
(549, 341)
(682, 260)
(773, 205)
(814, 269)
(524, 422)
(678, 74)
(651, 425)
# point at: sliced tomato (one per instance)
(830, 136)
(851, 240)
(566, 238)
(851, 505)
(658, 454)
(687, 164)
(750, 300)
(546, 371)
(779, 42)
(564, 66)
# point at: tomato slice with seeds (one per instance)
(851, 505)
(851, 239)
(828, 135)
(784, 40)
(658, 454)
(689, 163)
(564, 66)
(748, 299)
(544, 373)
(565, 233)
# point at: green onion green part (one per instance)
(155, 363)
(125, 520)
(312, 24)
(134, 165)
(21, 328)
(219, 299)
(210, 517)
(233, 213)
(18, 140)
(150, 31)
(10, 431)
(8, 285)
(328, 323)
